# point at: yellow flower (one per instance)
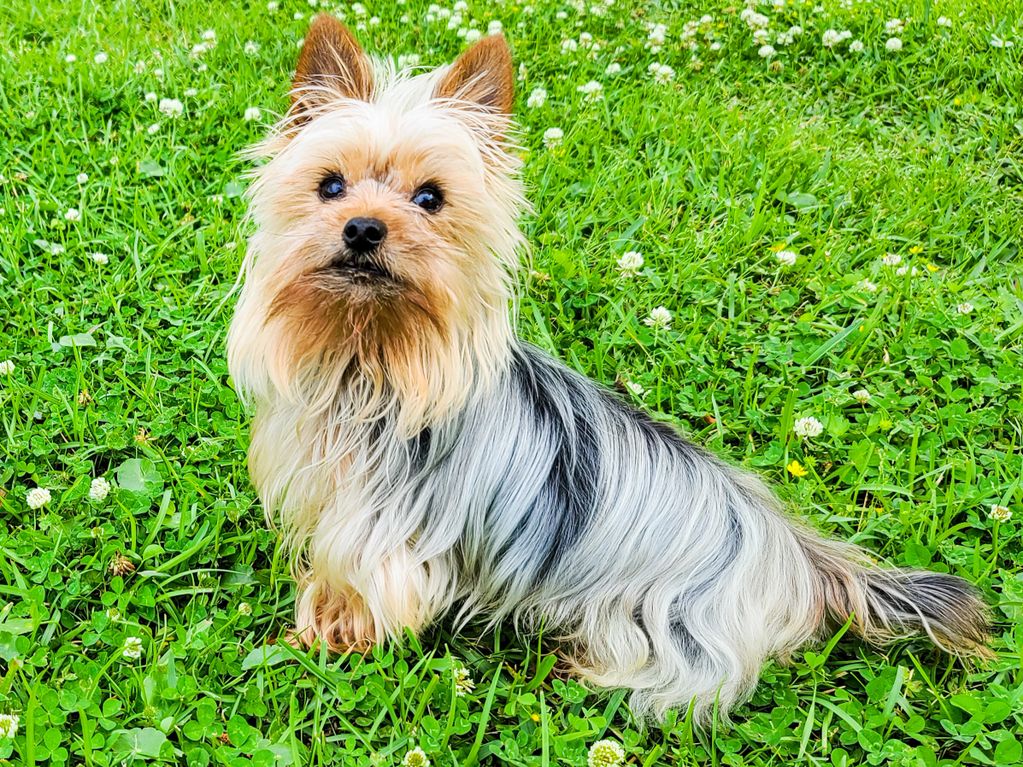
(535, 717)
(957, 101)
(933, 268)
(778, 247)
(916, 249)
(796, 469)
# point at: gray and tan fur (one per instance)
(422, 461)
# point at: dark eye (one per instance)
(428, 198)
(332, 187)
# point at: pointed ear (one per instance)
(331, 64)
(482, 75)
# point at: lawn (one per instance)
(831, 222)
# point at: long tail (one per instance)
(886, 603)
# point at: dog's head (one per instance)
(387, 235)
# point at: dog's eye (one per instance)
(332, 187)
(428, 198)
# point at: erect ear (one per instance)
(331, 64)
(482, 75)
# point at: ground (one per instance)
(830, 222)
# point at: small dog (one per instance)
(419, 456)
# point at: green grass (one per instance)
(839, 157)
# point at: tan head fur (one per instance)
(430, 319)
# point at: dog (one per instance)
(421, 460)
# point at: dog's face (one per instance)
(386, 213)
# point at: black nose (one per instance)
(364, 235)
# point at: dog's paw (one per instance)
(338, 620)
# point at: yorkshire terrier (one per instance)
(418, 456)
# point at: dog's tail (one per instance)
(886, 603)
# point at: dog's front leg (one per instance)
(353, 615)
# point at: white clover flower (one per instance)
(997, 42)
(374, 21)
(761, 35)
(831, 38)
(113, 614)
(893, 44)
(660, 318)
(862, 396)
(252, 113)
(150, 96)
(795, 30)
(6, 367)
(561, 15)
(866, 286)
(658, 34)
(808, 427)
(856, 46)
(766, 51)
(171, 107)
(56, 249)
(73, 214)
(191, 93)
(245, 609)
(965, 307)
(537, 98)
(132, 649)
(199, 49)
(630, 262)
(891, 259)
(272, 6)
(415, 758)
(662, 73)
(592, 91)
(585, 39)
(613, 69)
(99, 489)
(460, 6)
(71, 58)
(786, 257)
(903, 270)
(635, 388)
(1000, 513)
(82, 178)
(158, 73)
(552, 137)
(569, 46)
(495, 27)
(101, 259)
(100, 58)
(9, 726)
(605, 753)
(37, 497)
(251, 48)
(944, 21)
(463, 681)
(785, 38)
(894, 26)
(753, 19)
(154, 128)
(210, 35)
(472, 35)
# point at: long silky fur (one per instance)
(523, 491)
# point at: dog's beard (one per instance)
(338, 313)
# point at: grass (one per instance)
(838, 157)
